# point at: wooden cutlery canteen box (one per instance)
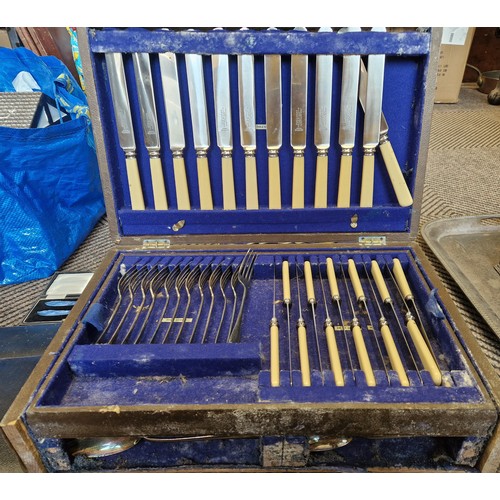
(266, 306)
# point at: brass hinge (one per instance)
(155, 244)
(371, 241)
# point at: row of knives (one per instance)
(363, 329)
(359, 83)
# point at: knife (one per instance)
(272, 77)
(222, 99)
(391, 162)
(347, 122)
(199, 120)
(121, 104)
(298, 117)
(371, 132)
(246, 97)
(145, 92)
(175, 125)
(322, 124)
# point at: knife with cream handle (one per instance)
(222, 99)
(347, 124)
(391, 162)
(322, 124)
(371, 132)
(199, 120)
(246, 96)
(145, 91)
(175, 124)
(125, 127)
(272, 76)
(298, 118)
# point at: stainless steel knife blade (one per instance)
(144, 80)
(175, 125)
(371, 131)
(399, 184)
(222, 99)
(172, 96)
(246, 100)
(272, 76)
(246, 96)
(199, 120)
(198, 101)
(347, 121)
(298, 123)
(123, 117)
(273, 101)
(322, 123)
(121, 104)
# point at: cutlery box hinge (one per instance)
(156, 244)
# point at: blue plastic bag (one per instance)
(50, 190)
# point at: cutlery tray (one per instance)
(257, 339)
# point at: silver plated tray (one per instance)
(469, 249)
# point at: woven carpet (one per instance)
(462, 178)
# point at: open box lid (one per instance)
(410, 69)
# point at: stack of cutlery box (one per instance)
(194, 402)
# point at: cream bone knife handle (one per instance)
(394, 170)
(399, 274)
(229, 198)
(393, 353)
(332, 279)
(356, 283)
(311, 297)
(423, 351)
(158, 181)
(134, 183)
(298, 180)
(303, 354)
(321, 183)
(251, 186)
(344, 194)
(274, 180)
(275, 353)
(364, 360)
(367, 178)
(380, 282)
(204, 187)
(333, 353)
(181, 184)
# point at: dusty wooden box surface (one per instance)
(266, 306)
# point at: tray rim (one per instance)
(452, 267)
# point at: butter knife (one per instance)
(272, 76)
(391, 162)
(123, 116)
(371, 131)
(199, 119)
(298, 117)
(144, 81)
(175, 124)
(347, 122)
(246, 99)
(222, 99)
(322, 124)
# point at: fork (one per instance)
(245, 272)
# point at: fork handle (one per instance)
(235, 336)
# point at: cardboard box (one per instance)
(453, 54)
(4, 38)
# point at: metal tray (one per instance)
(469, 249)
